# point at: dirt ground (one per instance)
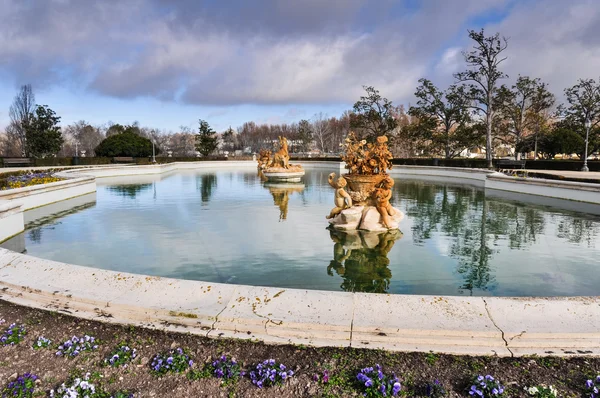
(413, 369)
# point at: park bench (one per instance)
(7, 162)
(123, 159)
(510, 164)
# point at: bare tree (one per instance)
(20, 113)
(481, 80)
(321, 131)
(85, 135)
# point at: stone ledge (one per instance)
(458, 325)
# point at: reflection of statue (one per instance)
(361, 259)
(342, 200)
(281, 196)
(382, 196)
(261, 175)
(282, 157)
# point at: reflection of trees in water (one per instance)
(129, 190)
(477, 224)
(35, 235)
(361, 259)
(206, 183)
(578, 230)
(34, 228)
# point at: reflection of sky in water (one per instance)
(226, 226)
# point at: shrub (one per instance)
(87, 387)
(541, 391)
(374, 383)
(269, 373)
(121, 355)
(76, 345)
(22, 387)
(125, 144)
(435, 390)
(224, 368)
(172, 361)
(41, 342)
(593, 388)
(485, 387)
(13, 335)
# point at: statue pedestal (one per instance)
(365, 218)
(292, 174)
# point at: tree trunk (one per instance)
(535, 154)
(488, 139)
(447, 145)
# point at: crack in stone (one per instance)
(212, 327)
(352, 321)
(497, 327)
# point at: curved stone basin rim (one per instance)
(458, 325)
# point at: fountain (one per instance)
(279, 168)
(366, 205)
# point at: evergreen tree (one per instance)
(206, 139)
(43, 135)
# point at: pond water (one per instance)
(228, 226)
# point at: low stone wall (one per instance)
(11, 219)
(457, 325)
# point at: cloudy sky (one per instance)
(166, 63)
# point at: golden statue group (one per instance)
(278, 167)
(366, 205)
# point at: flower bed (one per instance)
(26, 179)
(138, 362)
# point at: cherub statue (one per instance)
(382, 196)
(342, 199)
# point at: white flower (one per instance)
(532, 390)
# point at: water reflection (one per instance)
(206, 184)
(480, 226)
(129, 190)
(458, 239)
(281, 195)
(361, 259)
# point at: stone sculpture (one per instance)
(264, 159)
(369, 187)
(282, 157)
(342, 200)
(382, 196)
(278, 168)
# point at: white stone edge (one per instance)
(457, 325)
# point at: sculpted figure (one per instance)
(264, 158)
(382, 196)
(281, 157)
(342, 199)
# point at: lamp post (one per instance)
(153, 154)
(588, 125)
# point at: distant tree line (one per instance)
(475, 113)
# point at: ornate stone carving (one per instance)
(369, 187)
(279, 168)
(341, 200)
